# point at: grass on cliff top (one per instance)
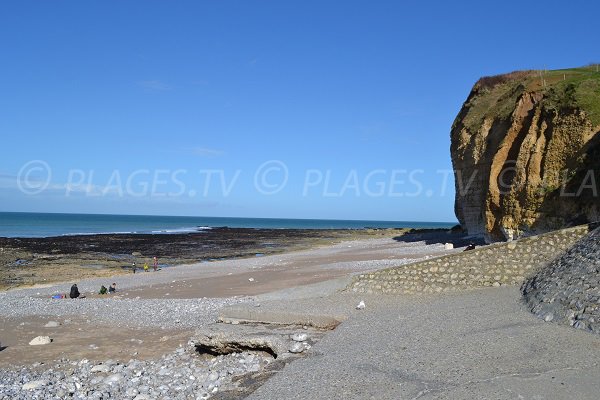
(495, 96)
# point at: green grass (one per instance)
(565, 89)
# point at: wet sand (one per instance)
(31, 261)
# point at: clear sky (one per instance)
(300, 109)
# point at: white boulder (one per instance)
(33, 385)
(40, 340)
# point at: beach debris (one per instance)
(361, 305)
(251, 279)
(34, 385)
(448, 246)
(299, 337)
(40, 340)
(51, 324)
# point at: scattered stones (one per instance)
(361, 305)
(567, 291)
(40, 340)
(141, 380)
(448, 246)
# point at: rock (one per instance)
(299, 337)
(448, 246)
(251, 279)
(33, 385)
(51, 324)
(296, 347)
(361, 305)
(561, 292)
(40, 340)
(114, 378)
(511, 146)
(100, 368)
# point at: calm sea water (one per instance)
(41, 224)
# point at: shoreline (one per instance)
(30, 262)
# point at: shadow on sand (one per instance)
(439, 236)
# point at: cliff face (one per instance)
(525, 149)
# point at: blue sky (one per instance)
(347, 106)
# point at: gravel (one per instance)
(184, 313)
(182, 374)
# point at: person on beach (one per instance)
(74, 292)
(102, 290)
(133, 267)
(146, 267)
(112, 288)
(155, 264)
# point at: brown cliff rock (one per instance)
(525, 149)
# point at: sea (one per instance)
(21, 224)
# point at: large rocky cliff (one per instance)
(525, 149)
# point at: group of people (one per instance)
(75, 294)
(111, 289)
(146, 267)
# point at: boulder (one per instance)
(40, 340)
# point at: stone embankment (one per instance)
(568, 290)
(499, 264)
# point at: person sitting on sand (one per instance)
(102, 290)
(112, 288)
(74, 292)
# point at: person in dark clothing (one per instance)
(471, 246)
(74, 292)
(112, 288)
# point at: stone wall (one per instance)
(567, 291)
(494, 265)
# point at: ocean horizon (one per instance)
(26, 224)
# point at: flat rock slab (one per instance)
(235, 315)
(470, 345)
